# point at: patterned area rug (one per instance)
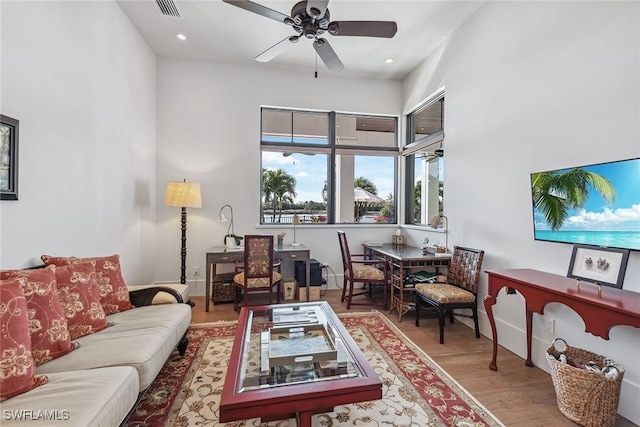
(416, 391)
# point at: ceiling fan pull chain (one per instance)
(316, 74)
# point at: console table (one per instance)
(600, 311)
(401, 259)
(223, 255)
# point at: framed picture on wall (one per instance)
(9, 128)
(603, 266)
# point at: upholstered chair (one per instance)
(257, 273)
(459, 292)
(369, 272)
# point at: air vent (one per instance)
(168, 8)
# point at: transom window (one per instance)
(328, 167)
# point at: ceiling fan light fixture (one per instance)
(309, 31)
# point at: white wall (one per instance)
(81, 81)
(209, 132)
(535, 86)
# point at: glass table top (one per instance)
(288, 344)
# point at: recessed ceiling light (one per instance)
(181, 36)
(388, 60)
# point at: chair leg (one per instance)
(441, 316)
(475, 321)
(350, 294)
(344, 289)
(417, 311)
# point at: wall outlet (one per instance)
(549, 325)
(196, 270)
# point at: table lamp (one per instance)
(184, 195)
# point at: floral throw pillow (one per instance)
(114, 295)
(17, 367)
(50, 336)
(80, 299)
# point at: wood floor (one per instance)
(516, 394)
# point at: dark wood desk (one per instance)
(402, 258)
(600, 310)
(223, 255)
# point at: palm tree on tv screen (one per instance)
(556, 193)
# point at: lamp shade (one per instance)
(183, 194)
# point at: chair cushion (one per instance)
(261, 282)
(445, 293)
(365, 272)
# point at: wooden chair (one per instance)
(257, 273)
(370, 273)
(459, 292)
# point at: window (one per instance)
(328, 167)
(424, 160)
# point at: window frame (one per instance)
(415, 146)
(333, 149)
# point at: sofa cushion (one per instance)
(80, 299)
(17, 367)
(143, 338)
(96, 397)
(50, 336)
(114, 295)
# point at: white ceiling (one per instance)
(218, 31)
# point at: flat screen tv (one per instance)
(595, 205)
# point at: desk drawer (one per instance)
(230, 257)
(294, 256)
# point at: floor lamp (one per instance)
(184, 195)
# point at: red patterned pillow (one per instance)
(80, 299)
(47, 323)
(114, 295)
(6, 274)
(17, 367)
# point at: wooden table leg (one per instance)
(303, 419)
(528, 362)
(489, 300)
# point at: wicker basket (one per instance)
(223, 288)
(585, 397)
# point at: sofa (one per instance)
(98, 381)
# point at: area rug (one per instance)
(416, 391)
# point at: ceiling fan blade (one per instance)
(386, 29)
(328, 55)
(316, 8)
(259, 9)
(276, 49)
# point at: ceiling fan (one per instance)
(310, 18)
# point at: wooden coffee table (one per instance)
(293, 361)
